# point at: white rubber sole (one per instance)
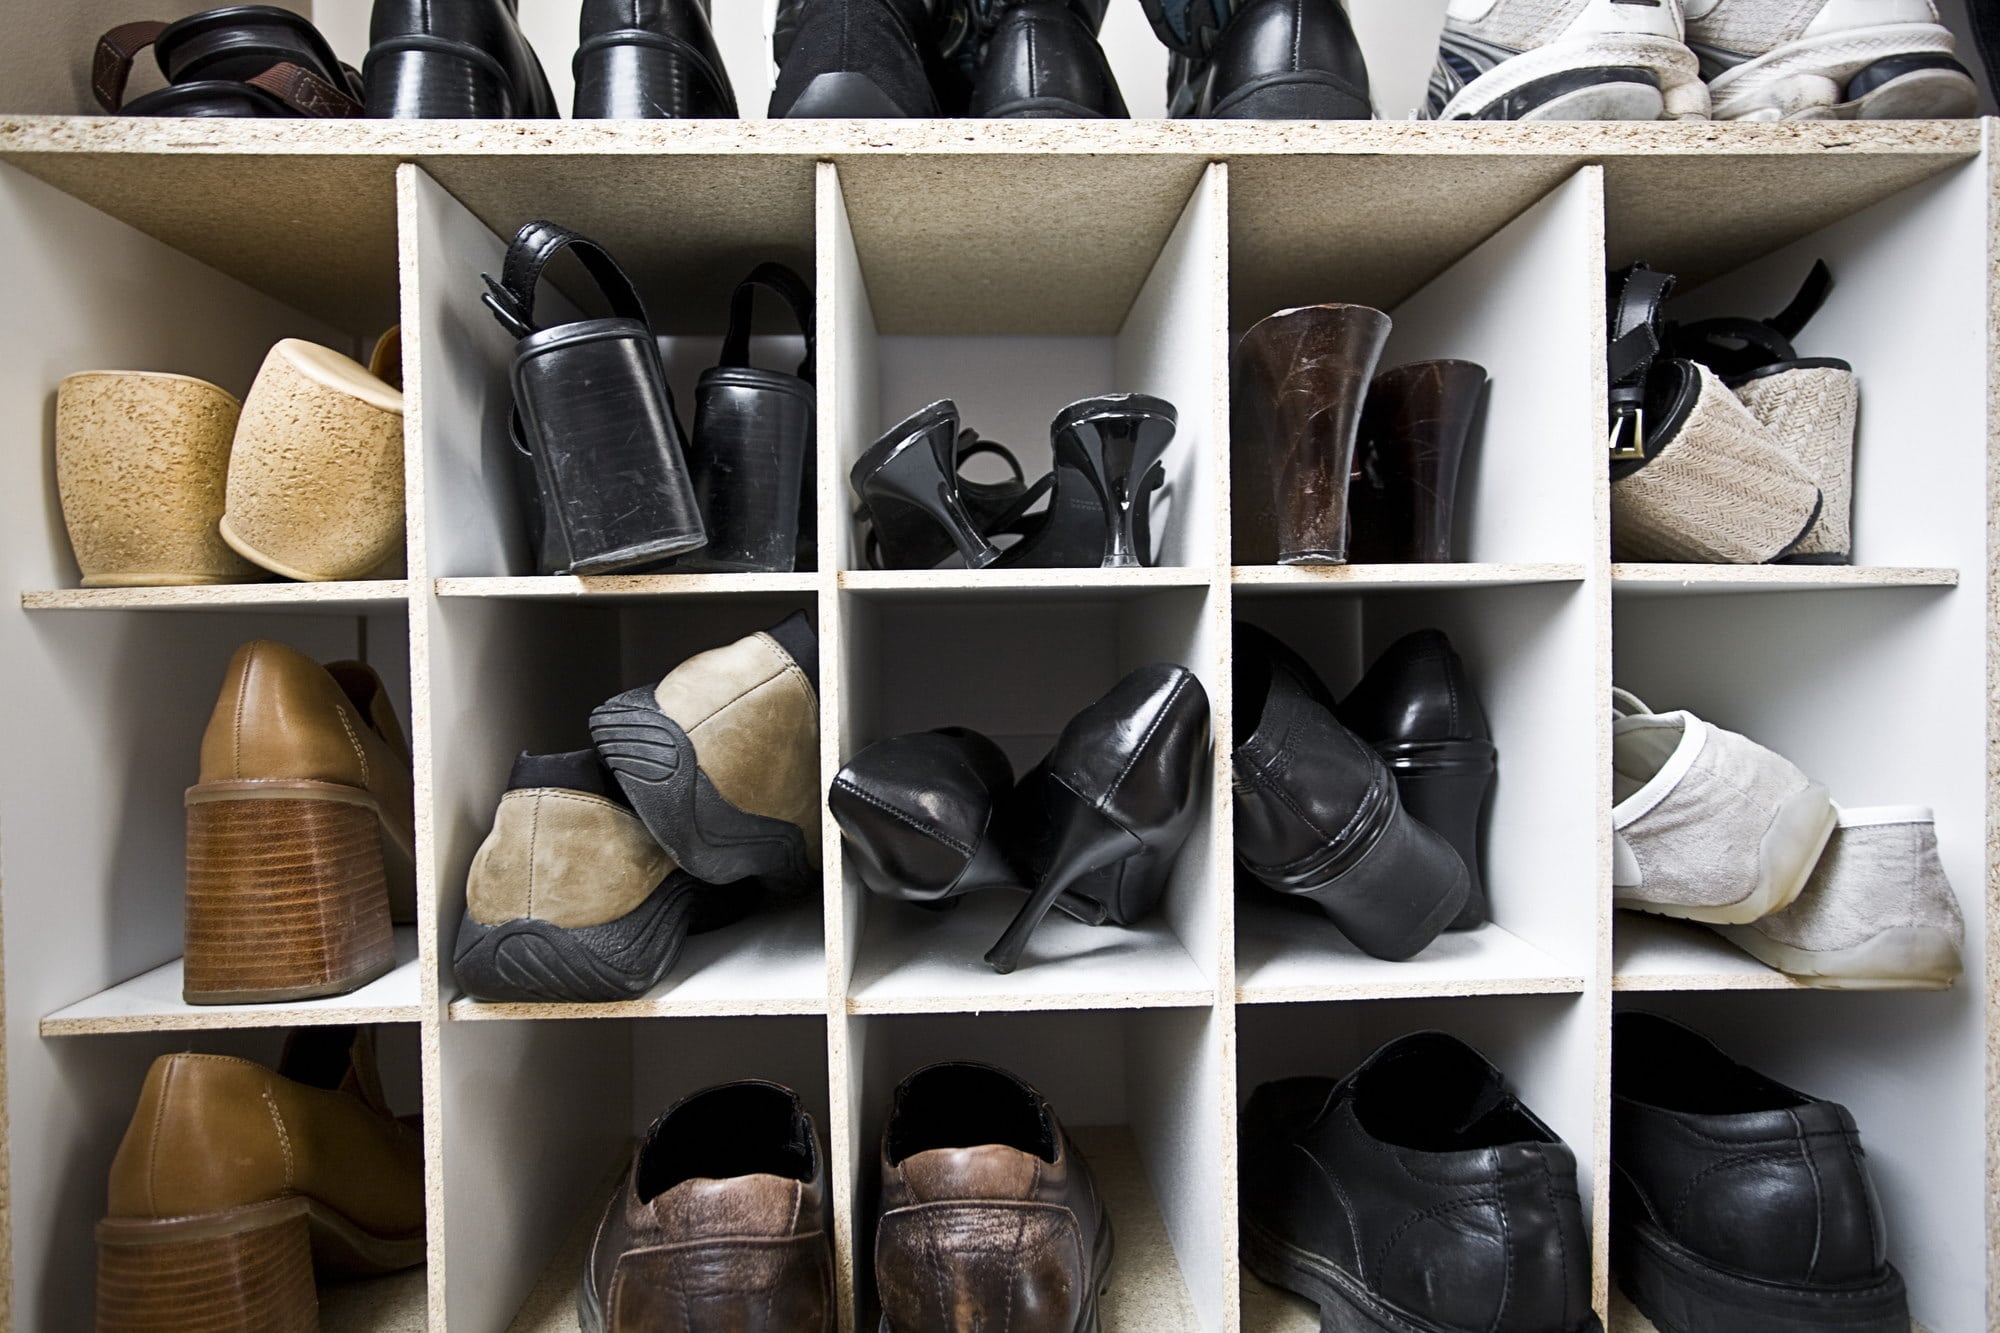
(1790, 849)
(1681, 94)
(1900, 958)
(1807, 79)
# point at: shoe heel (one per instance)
(248, 1270)
(918, 472)
(1413, 436)
(1299, 96)
(1115, 442)
(634, 75)
(1444, 786)
(286, 896)
(753, 431)
(1082, 840)
(429, 78)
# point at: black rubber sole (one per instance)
(707, 836)
(1681, 1293)
(844, 96)
(1345, 1305)
(536, 962)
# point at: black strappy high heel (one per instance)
(1116, 441)
(908, 485)
(753, 441)
(594, 413)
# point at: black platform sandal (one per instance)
(596, 417)
(753, 441)
(242, 60)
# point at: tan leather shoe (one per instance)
(721, 1222)
(721, 759)
(300, 834)
(233, 1182)
(990, 1217)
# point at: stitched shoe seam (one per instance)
(904, 817)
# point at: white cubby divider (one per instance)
(1013, 269)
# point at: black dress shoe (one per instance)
(1043, 61)
(1317, 812)
(1276, 60)
(1739, 1203)
(1416, 706)
(649, 60)
(1104, 815)
(923, 816)
(453, 60)
(1415, 1196)
(858, 59)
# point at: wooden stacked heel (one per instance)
(247, 1270)
(286, 896)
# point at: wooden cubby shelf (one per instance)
(1014, 267)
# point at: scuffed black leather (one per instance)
(649, 59)
(1753, 1177)
(1428, 1185)
(1417, 690)
(1043, 60)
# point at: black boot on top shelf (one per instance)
(1266, 60)
(864, 59)
(453, 60)
(650, 60)
(1042, 61)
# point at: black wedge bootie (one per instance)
(649, 60)
(1042, 61)
(453, 60)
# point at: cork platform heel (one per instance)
(242, 1270)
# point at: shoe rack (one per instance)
(1015, 267)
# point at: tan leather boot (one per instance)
(300, 834)
(233, 1182)
(990, 1216)
(721, 758)
(721, 1222)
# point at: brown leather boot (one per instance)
(234, 1181)
(990, 1217)
(300, 834)
(721, 1222)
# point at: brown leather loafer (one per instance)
(300, 835)
(721, 1222)
(233, 1182)
(990, 1217)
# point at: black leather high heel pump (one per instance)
(908, 481)
(1103, 816)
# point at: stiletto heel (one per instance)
(910, 476)
(1402, 498)
(1115, 441)
(1118, 790)
(1299, 381)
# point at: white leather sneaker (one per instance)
(1877, 913)
(1709, 825)
(1828, 59)
(1565, 60)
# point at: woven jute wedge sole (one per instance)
(286, 893)
(246, 1270)
(1720, 490)
(1811, 410)
(316, 473)
(141, 461)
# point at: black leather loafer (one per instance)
(1416, 706)
(1317, 812)
(1739, 1203)
(1416, 1195)
(1043, 61)
(649, 60)
(453, 60)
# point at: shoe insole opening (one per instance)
(1639, 751)
(1663, 1064)
(1442, 1097)
(968, 1106)
(745, 1129)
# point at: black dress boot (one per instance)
(1043, 62)
(650, 60)
(859, 59)
(1274, 60)
(453, 60)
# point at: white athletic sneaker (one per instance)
(1828, 59)
(1877, 914)
(1708, 825)
(1565, 60)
